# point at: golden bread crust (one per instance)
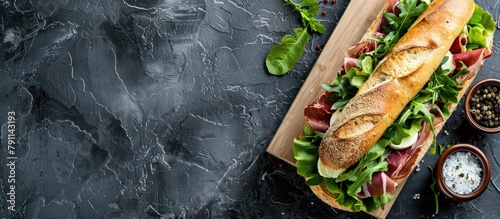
(395, 81)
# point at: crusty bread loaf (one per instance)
(395, 81)
(322, 193)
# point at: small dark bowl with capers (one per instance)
(482, 105)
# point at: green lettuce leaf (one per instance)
(284, 56)
(306, 154)
(479, 27)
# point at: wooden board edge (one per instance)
(323, 71)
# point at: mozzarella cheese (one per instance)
(406, 142)
(449, 65)
(328, 173)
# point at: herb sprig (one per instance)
(283, 57)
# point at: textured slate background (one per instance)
(164, 109)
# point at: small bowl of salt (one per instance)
(463, 172)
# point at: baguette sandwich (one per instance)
(397, 87)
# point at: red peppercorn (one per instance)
(318, 47)
(334, 1)
(325, 1)
(323, 13)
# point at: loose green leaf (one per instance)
(308, 10)
(435, 191)
(284, 56)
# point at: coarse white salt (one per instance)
(462, 172)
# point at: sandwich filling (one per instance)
(367, 184)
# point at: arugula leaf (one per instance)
(341, 196)
(344, 87)
(366, 176)
(399, 24)
(396, 132)
(443, 86)
(410, 10)
(308, 10)
(373, 154)
(284, 56)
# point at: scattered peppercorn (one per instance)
(325, 1)
(485, 106)
(334, 1)
(323, 13)
(318, 47)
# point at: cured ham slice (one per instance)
(318, 113)
(349, 63)
(402, 161)
(391, 8)
(381, 183)
(472, 59)
(459, 45)
(364, 46)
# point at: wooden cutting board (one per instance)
(353, 24)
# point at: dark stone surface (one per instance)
(164, 109)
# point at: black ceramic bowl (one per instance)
(479, 85)
(485, 174)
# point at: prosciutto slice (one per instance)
(364, 46)
(318, 113)
(472, 59)
(381, 183)
(348, 64)
(459, 44)
(402, 161)
(391, 8)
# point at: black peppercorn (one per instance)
(485, 106)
